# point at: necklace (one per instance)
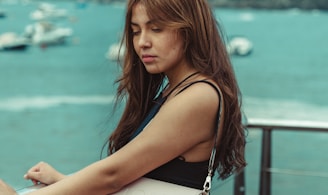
(180, 83)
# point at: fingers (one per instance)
(35, 174)
(35, 178)
(37, 167)
(43, 173)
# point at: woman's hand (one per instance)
(6, 189)
(43, 173)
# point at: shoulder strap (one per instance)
(180, 83)
(203, 81)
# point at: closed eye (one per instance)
(135, 29)
(135, 33)
(156, 30)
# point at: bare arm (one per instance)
(182, 123)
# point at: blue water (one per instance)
(56, 102)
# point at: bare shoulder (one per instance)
(197, 106)
(202, 93)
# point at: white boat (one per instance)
(47, 11)
(239, 46)
(11, 41)
(46, 33)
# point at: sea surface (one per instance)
(56, 102)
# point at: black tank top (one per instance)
(177, 171)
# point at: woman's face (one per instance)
(159, 48)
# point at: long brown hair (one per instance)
(205, 49)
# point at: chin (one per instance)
(153, 69)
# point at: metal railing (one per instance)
(267, 126)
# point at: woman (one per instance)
(175, 42)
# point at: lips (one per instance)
(148, 58)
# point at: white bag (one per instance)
(29, 189)
(146, 186)
(143, 186)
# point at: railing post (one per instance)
(239, 184)
(265, 177)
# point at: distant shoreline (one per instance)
(268, 6)
(241, 4)
(260, 4)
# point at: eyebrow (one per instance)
(150, 22)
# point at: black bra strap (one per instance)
(203, 81)
(180, 83)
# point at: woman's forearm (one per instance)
(94, 179)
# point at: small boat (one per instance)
(11, 41)
(239, 46)
(48, 11)
(46, 33)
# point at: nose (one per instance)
(144, 40)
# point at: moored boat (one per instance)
(46, 33)
(239, 46)
(11, 41)
(47, 11)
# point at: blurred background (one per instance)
(58, 69)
